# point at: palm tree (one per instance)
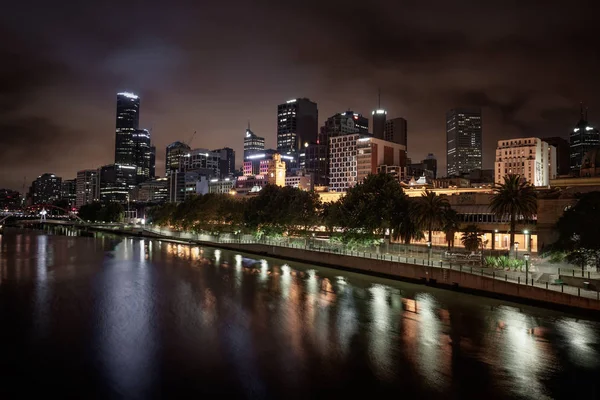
(451, 226)
(403, 223)
(515, 198)
(471, 238)
(429, 211)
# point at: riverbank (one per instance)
(447, 278)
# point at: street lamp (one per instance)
(526, 257)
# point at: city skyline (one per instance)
(523, 70)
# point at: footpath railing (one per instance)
(435, 259)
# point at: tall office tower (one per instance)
(45, 189)
(152, 162)
(128, 121)
(204, 162)
(227, 162)
(430, 163)
(396, 131)
(142, 154)
(463, 140)
(69, 191)
(174, 152)
(87, 187)
(115, 181)
(252, 143)
(297, 124)
(379, 117)
(563, 162)
(583, 138)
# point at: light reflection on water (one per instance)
(146, 316)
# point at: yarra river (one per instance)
(101, 316)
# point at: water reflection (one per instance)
(153, 317)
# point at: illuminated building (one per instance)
(69, 191)
(87, 187)
(584, 138)
(297, 124)
(128, 120)
(142, 154)
(253, 144)
(174, 152)
(227, 162)
(151, 191)
(9, 199)
(353, 157)
(45, 189)
(531, 158)
(300, 181)
(115, 182)
(275, 170)
(203, 161)
(463, 140)
(221, 186)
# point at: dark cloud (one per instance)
(209, 67)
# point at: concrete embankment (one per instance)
(442, 277)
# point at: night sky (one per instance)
(210, 66)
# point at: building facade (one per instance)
(227, 162)
(300, 181)
(69, 191)
(128, 121)
(46, 189)
(115, 181)
(175, 151)
(297, 124)
(142, 155)
(531, 158)
(151, 191)
(584, 138)
(396, 131)
(203, 161)
(430, 163)
(252, 143)
(563, 162)
(87, 187)
(221, 186)
(353, 157)
(463, 140)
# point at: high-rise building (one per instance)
(463, 140)
(115, 181)
(583, 138)
(152, 162)
(204, 162)
(379, 118)
(174, 152)
(9, 199)
(430, 162)
(128, 121)
(297, 124)
(227, 162)
(563, 162)
(46, 189)
(151, 191)
(317, 158)
(142, 154)
(69, 191)
(531, 158)
(253, 143)
(87, 187)
(354, 156)
(396, 131)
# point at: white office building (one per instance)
(532, 158)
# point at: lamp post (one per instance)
(526, 257)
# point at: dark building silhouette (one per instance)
(562, 154)
(227, 162)
(463, 140)
(583, 138)
(396, 131)
(430, 163)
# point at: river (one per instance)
(115, 317)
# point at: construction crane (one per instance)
(189, 142)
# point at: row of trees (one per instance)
(100, 212)
(366, 214)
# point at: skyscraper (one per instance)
(584, 137)
(45, 189)
(87, 187)
(463, 140)
(227, 162)
(128, 121)
(379, 117)
(396, 131)
(174, 152)
(69, 191)
(142, 154)
(152, 162)
(252, 143)
(297, 124)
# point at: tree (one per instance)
(430, 211)
(450, 226)
(579, 230)
(404, 224)
(471, 238)
(514, 198)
